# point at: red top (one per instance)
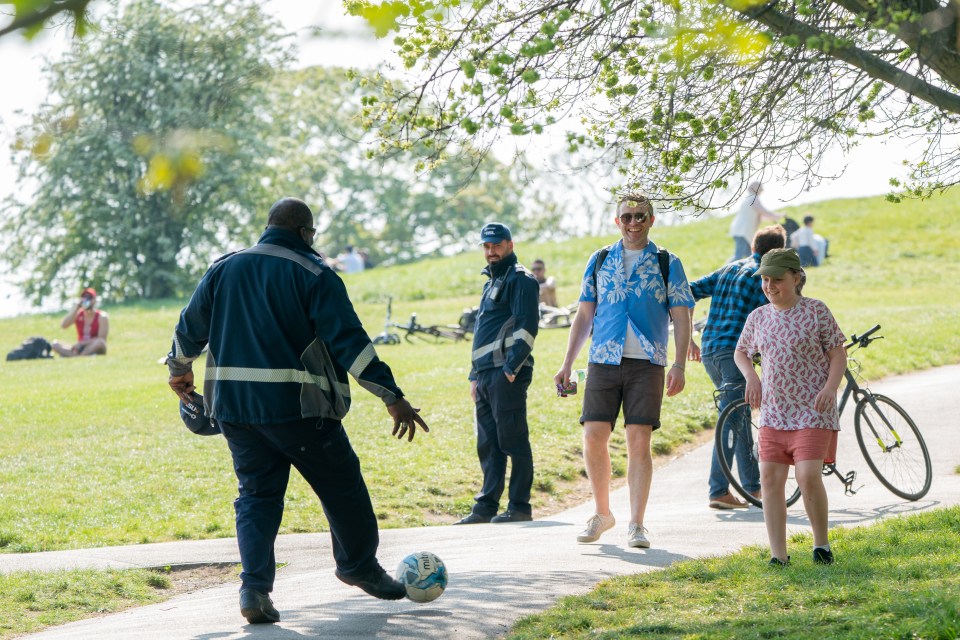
(82, 334)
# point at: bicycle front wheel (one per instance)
(737, 448)
(893, 447)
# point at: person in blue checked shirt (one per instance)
(734, 292)
(499, 377)
(628, 307)
(282, 336)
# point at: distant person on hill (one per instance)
(350, 260)
(747, 219)
(501, 372)
(734, 292)
(92, 326)
(550, 312)
(810, 246)
(548, 284)
(282, 336)
(630, 291)
(803, 362)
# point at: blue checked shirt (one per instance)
(636, 302)
(734, 293)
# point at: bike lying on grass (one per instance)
(888, 437)
(414, 331)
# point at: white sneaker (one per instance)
(636, 536)
(596, 525)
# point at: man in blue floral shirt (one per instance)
(627, 303)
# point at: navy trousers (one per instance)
(501, 433)
(321, 452)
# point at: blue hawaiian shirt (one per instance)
(637, 303)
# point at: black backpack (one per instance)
(663, 258)
(31, 349)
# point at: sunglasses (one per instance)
(627, 218)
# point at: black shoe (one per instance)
(511, 516)
(777, 562)
(473, 518)
(377, 583)
(257, 607)
(822, 556)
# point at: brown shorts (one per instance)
(791, 447)
(635, 384)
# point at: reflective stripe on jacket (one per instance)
(507, 321)
(282, 336)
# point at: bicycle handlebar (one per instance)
(864, 339)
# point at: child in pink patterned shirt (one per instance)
(803, 363)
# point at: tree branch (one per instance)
(870, 64)
(76, 7)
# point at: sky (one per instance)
(347, 41)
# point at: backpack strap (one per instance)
(596, 269)
(663, 257)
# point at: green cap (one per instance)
(776, 262)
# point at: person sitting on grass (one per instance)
(802, 363)
(92, 325)
(551, 314)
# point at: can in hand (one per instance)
(571, 389)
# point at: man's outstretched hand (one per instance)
(405, 419)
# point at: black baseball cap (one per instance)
(195, 417)
(495, 232)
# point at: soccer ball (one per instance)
(424, 575)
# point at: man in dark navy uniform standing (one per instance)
(501, 373)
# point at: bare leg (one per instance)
(95, 347)
(773, 479)
(596, 458)
(639, 469)
(810, 479)
(65, 352)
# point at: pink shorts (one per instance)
(791, 447)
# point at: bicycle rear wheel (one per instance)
(737, 446)
(893, 447)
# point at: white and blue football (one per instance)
(424, 575)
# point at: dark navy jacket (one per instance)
(282, 336)
(508, 319)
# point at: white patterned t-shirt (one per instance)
(793, 346)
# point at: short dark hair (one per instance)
(772, 237)
(637, 200)
(807, 219)
(290, 214)
(538, 261)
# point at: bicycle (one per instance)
(888, 437)
(415, 331)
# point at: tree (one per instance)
(147, 158)
(388, 204)
(685, 98)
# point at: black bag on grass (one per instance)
(31, 349)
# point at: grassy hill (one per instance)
(93, 451)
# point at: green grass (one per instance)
(895, 579)
(32, 601)
(93, 452)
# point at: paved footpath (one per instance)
(499, 573)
